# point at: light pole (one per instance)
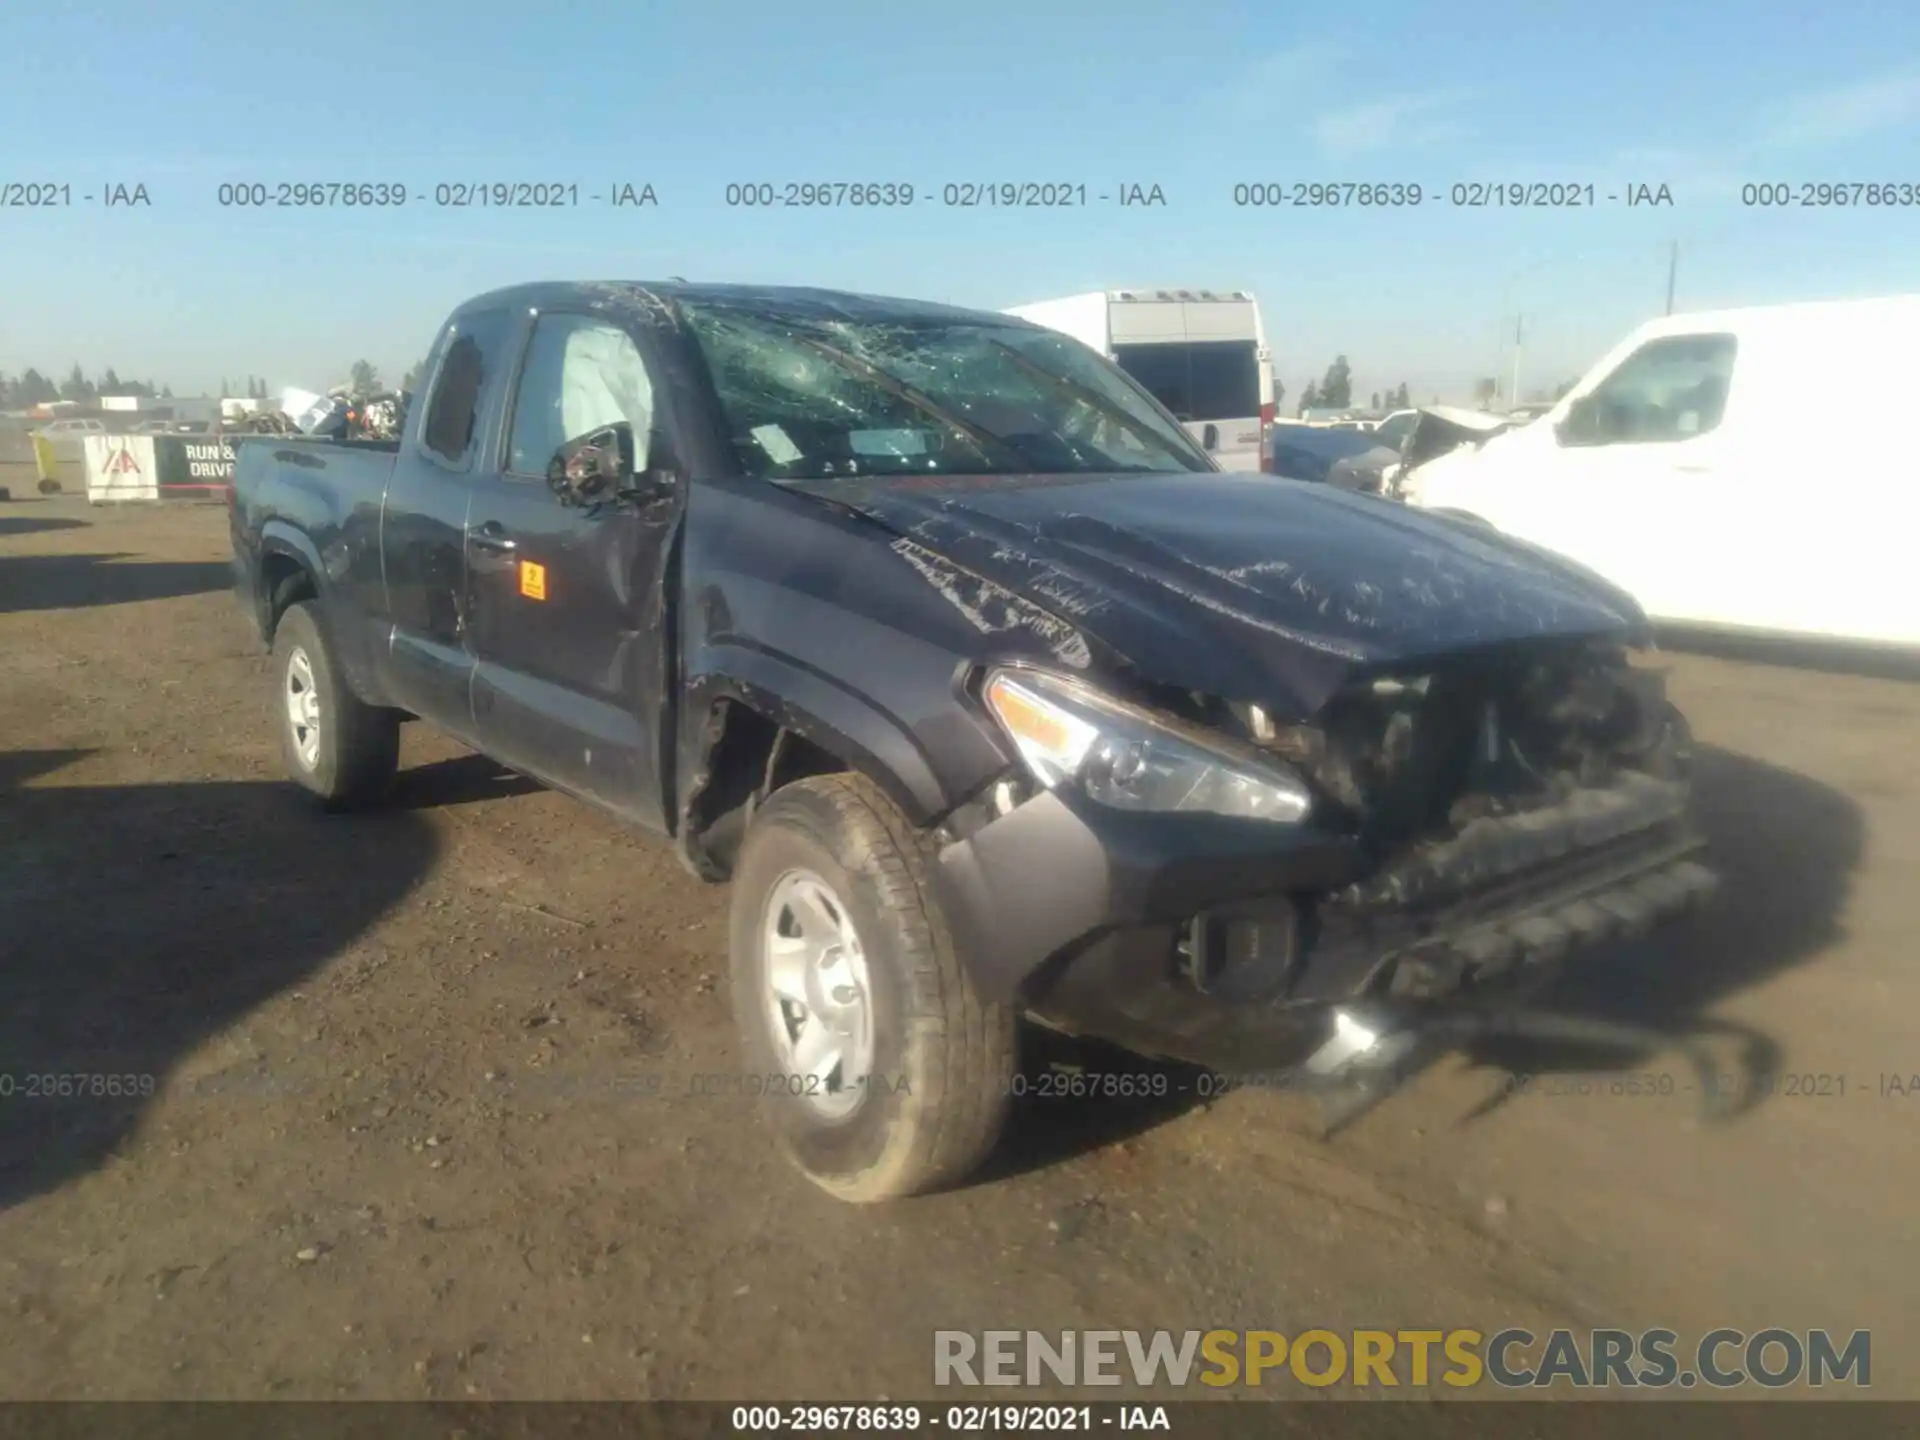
(1511, 300)
(1519, 335)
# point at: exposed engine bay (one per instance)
(1510, 802)
(1397, 759)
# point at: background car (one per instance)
(1349, 459)
(70, 429)
(1394, 429)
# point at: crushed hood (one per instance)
(1245, 587)
(1441, 429)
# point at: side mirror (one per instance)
(1210, 438)
(595, 467)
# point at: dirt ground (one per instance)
(400, 1139)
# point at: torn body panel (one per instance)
(1496, 810)
(813, 620)
(1442, 429)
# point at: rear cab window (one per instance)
(475, 355)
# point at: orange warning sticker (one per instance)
(533, 580)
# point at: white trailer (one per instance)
(1201, 353)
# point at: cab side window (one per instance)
(475, 355)
(1673, 388)
(582, 374)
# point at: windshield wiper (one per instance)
(1075, 390)
(984, 441)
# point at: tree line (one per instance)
(1334, 391)
(34, 387)
(365, 379)
(31, 387)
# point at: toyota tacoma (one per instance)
(993, 698)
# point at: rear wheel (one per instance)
(884, 1072)
(336, 745)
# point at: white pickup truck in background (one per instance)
(1697, 467)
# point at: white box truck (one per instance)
(1201, 353)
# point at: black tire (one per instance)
(358, 745)
(943, 1058)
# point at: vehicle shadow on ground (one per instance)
(71, 582)
(1786, 848)
(1827, 657)
(139, 921)
(1062, 1107)
(35, 524)
(462, 780)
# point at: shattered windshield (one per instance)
(807, 398)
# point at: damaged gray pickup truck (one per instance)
(992, 697)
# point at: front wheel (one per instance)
(334, 743)
(885, 1073)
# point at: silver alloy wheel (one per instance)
(303, 707)
(819, 1001)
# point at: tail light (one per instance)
(1269, 412)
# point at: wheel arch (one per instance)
(291, 571)
(747, 735)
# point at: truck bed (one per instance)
(388, 447)
(311, 506)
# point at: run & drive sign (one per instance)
(191, 464)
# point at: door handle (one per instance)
(493, 536)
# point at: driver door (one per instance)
(568, 606)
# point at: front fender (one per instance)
(819, 709)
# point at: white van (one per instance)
(1702, 466)
(1201, 353)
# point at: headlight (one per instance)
(1123, 757)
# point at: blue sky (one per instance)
(1194, 97)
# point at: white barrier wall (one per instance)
(121, 467)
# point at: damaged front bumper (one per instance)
(1233, 943)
